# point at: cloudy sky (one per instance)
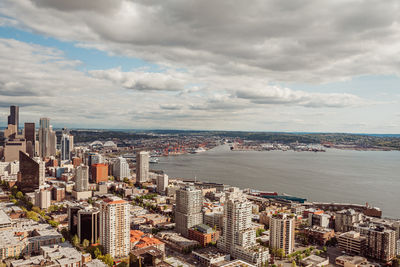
(321, 66)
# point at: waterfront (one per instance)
(335, 176)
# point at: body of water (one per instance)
(345, 176)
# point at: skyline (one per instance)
(202, 66)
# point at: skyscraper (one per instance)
(239, 236)
(162, 183)
(65, 146)
(82, 178)
(30, 137)
(13, 118)
(142, 167)
(31, 173)
(44, 137)
(189, 202)
(282, 227)
(13, 122)
(121, 168)
(115, 226)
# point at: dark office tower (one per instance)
(89, 224)
(30, 137)
(14, 116)
(29, 173)
(44, 137)
(73, 219)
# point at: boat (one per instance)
(153, 160)
(199, 150)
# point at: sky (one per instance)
(308, 66)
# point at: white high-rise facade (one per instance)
(82, 178)
(239, 235)
(162, 183)
(142, 167)
(282, 228)
(121, 169)
(115, 226)
(189, 203)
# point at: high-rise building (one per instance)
(53, 142)
(30, 137)
(238, 234)
(189, 203)
(84, 221)
(44, 137)
(381, 242)
(65, 147)
(82, 178)
(282, 228)
(121, 168)
(12, 149)
(142, 167)
(115, 226)
(31, 173)
(162, 183)
(42, 198)
(99, 172)
(13, 122)
(13, 119)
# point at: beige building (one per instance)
(115, 226)
(189, 202)
(352, 242)
(282, 229)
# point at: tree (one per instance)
(62, 239)
(259, 232)
(85, 243)
(97, 253)
(324, 249)
(53, 223)
(280, 253)
(294, 264)
(32, 215)
(19, 195)
(75, 241)
(107, 259)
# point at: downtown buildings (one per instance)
(282, 228)
(142, 167)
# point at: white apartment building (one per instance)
(115, 226)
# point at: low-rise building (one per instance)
(209, 256)
(319, 235)
(203, 234)
(314, 261)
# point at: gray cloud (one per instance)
(286, 96)
(308, 41)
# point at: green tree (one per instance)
(53, 223)
(107, 259)
(19, 195)
(280, 253)
(324, 249)
(85, 243)
(32, 215)
(294, 264)
(97, 253)
(75, 241)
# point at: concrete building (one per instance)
(82, 178)
(214, 220)
(162, 183)
(121, 169)
(115, 226)
(321, 220)
(42, 198)
(189, 202)
(352, 242)
(346, 219)
(239, 235)
(142, 167)
(12, 149)
(381, 242)
(282, 229)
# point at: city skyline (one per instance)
(136, 65)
